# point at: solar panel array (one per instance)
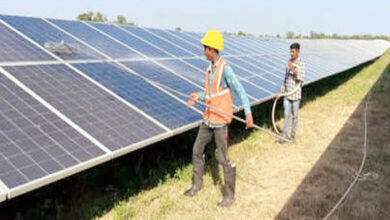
(61, 113)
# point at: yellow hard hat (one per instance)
(213, 39)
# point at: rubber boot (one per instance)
(197, 181)
(230, 186)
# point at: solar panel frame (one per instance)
(3, 194)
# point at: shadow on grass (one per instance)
(92, 193)
(334, 171)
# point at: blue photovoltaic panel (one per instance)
(269, 67)
(263, 63)
(326, 65)
(274, 88)
(186, 70)
(200, 63)
(107, 119)
(239, 67)
(96, 39)
(242, 48)
(157, 73)
(14, 48)
(273, 46)
(182, 34)
(140, 93)
(258, 47)
(254, 91)
(269, 76)
(247, 65)
(265, 68)
(130, 40)
(178, 41)
(166, 46)
(164, 77)
(43, 33)
(34, 142)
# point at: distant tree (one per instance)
(85, 16)
(313, 35)
(120, 19)
(290, 34)
(179, 29)
(240, 33)
(278, 36)
(99, 17)
(91, 16)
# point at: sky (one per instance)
(344, 17)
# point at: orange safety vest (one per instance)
(219, 98)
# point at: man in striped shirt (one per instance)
(293, 80)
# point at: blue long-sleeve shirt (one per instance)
(230, 80)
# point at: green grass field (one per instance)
(148, 184)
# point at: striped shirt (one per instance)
(291, 81)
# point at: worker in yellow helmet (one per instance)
(220, 81)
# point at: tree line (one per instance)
(120, 19)
(100, 17)
(321, 35)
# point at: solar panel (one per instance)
(131, 40)
(43, 33)
(255, 91)
(160, 75)
(165, 108)
(242, 48)
(192, 73)
(183, 35)
(157, 42)
(14, 48)
(34, 142)
(62, 113)
(195, 50)
(246, 65)
(96, 39)
(113, 123)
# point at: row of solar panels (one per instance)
(61, 113)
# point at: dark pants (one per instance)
(204, 137)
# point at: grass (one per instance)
(274, 181)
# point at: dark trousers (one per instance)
(204, 137)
